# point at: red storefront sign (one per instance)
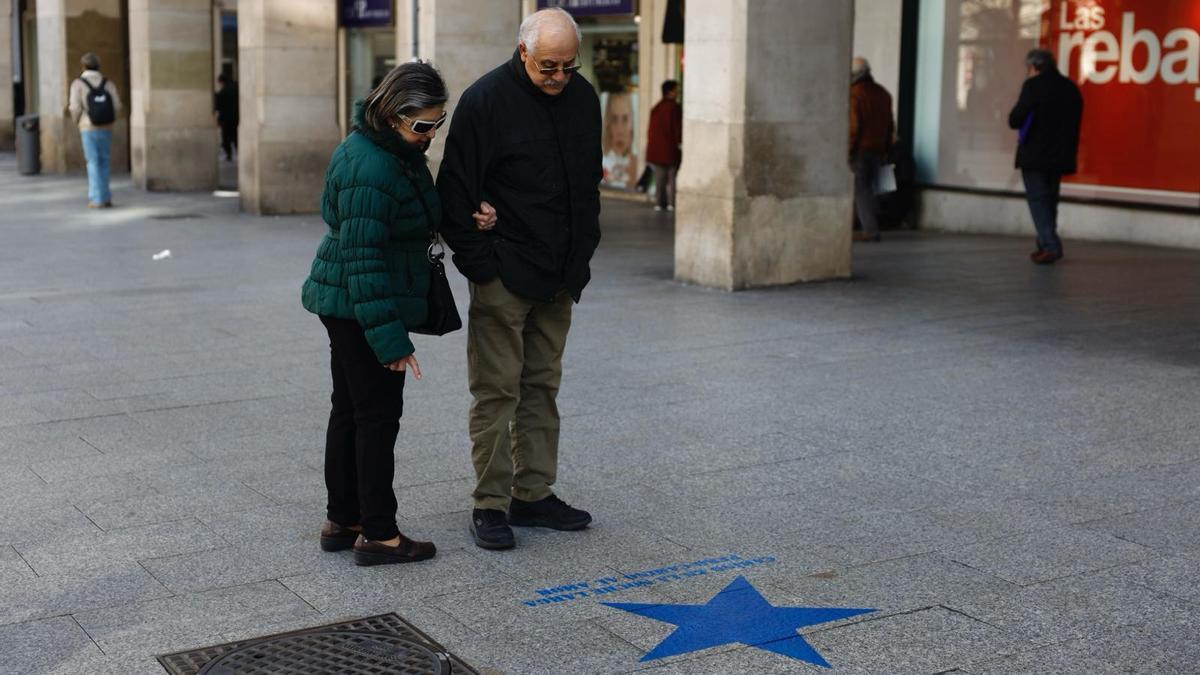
(1137, 63)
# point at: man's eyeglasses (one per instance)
(567, 70)
(424, 126)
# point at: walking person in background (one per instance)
(664, 145)
(872, 132)
(225, 108)
(526, 136)
(1047, 118)
(94, 105)
(368, 283)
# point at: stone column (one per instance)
(173, 138)
(66, 30)
(765, 195)
(6, 99)
(465, 39)
(288, 126)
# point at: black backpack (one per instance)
(100, 108)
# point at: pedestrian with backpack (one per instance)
(94, 105)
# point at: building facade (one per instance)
(764, 194)
(1137, 63)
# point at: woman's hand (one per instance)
(409, 361)
(485, 217)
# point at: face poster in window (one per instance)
(619, 140)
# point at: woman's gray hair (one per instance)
(531, 27)
(407, 88)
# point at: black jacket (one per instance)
(1052, 140)
(225, 104)
(537, 159)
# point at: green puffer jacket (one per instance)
(372, 266)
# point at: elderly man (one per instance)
(525, 139)
(871, 134)
(1047, 119)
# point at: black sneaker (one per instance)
(550, 512)
(490, 529)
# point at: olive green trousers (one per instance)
(514, 367)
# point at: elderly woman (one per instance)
(368, 284)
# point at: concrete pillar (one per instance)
(288, 126)
(764, 192)
(66, 30)
(6, 98)
(464, 39)
(173, 138)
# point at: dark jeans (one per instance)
(1042, 189)
(664, 184)
(359, 444)
(866, 177)
(228, 139)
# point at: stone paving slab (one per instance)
(90, 550)
(1001, 459)
(169, 624)
(26, 597)
(1045, 555)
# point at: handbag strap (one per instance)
(433, 226)
(412, 178)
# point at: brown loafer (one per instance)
(1045, 257)
(334, 537)
(367, 552)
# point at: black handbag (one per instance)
(443, 313)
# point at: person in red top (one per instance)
(664, 146)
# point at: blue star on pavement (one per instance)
(739, 613)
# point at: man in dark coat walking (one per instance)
(525, 139)
(1047, 117)
(225, 107)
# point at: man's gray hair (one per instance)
(531, 27)
(859, 67)
(1040, 59)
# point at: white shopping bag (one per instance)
(886, 180)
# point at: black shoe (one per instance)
(491, 530)
(550, 512)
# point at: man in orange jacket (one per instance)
(871, 134)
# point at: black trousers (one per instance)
(229, 138)
(368, 400)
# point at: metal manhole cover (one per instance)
(331, 652)
(382, 644)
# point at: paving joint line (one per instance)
(85, 632)
(18, 552)
(92, 445)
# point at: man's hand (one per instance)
(406, 362)
(485, 217)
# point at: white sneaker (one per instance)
(657, 207)
(670, 208)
